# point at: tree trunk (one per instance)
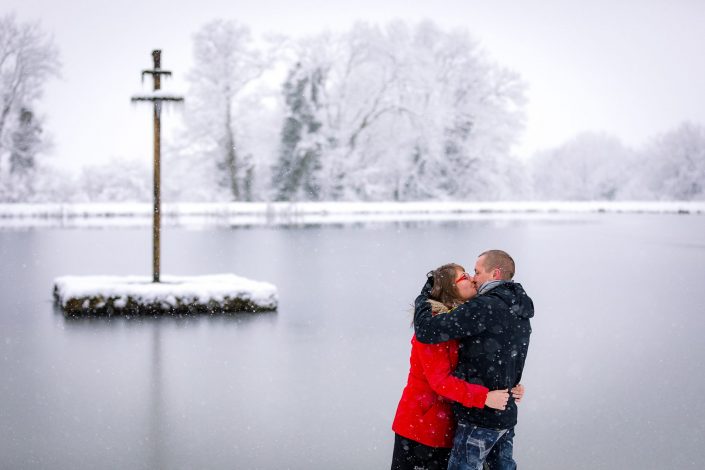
(231, 157)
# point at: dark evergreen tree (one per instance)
(297, 173)
(25, 143)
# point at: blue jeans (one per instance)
(473, 446)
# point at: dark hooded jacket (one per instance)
(493, 331)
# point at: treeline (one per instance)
(394, 113)
(599, 167)
(400, 113)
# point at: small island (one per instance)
(114, 295)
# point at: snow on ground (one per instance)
(284, 213)
(108, 294)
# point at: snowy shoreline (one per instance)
(285, 213)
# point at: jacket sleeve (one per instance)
(469, 319)
(435, 361)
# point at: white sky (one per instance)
(632, 68)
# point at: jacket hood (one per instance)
(515, 295)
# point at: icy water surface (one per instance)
(614, 376)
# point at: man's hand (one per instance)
(518, 393)
(497, 399)
(426, 289)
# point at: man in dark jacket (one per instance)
(493, 332)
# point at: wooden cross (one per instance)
(157, 97)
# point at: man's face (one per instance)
(481, 276)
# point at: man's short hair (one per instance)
(498, 259)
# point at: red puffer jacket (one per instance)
(424, 413)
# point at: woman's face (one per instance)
(466, 288)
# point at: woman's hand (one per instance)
(426, 289)
(497, 399)
(518, 393)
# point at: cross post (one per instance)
(157, 97)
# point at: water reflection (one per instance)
(162, 321)
(157, 428)
(159, 328)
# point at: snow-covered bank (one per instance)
(284, 213)
(174, 294)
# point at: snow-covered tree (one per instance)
(227, 61)
(592, 166)
(118, 180)
(403, 113)
(468, 113)
(28, 58)
(672, 167)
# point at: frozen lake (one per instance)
(614, 373)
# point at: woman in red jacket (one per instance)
(424, 424)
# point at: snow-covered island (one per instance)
(108, 295)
